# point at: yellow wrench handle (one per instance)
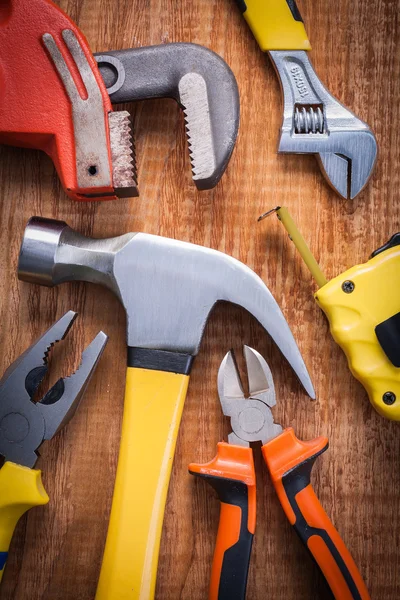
(276, 24)
(153, 407)
(21, 488)
(372, 297)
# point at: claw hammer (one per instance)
(168, 289)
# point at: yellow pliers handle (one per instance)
(276, 24)
(21, 488)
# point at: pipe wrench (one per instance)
(314, 122)
(53, 98)
(25, 424)
(289, 461)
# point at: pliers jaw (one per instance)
(251, 418)
(25, 424)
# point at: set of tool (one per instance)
(61, 102)
(168, 289)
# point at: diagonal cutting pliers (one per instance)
(25, 424)
(289, 460)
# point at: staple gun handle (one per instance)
(276, 24)
(365, 323)
(21, 488)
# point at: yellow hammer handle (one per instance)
(276, 24)
(21, 488)
(152, 412)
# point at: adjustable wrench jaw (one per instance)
(24, 424)
(251, 418)
(314, 122)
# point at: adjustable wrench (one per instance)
(314, 122)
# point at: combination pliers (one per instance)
(289, 460)
(25, 424)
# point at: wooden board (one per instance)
(57, 550)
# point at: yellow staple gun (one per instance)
(363, 308)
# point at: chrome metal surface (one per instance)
(344, 145)
(202, 84)
(167, 287)
(25, 424)
(251, 418)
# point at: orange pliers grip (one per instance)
(290, 462)
(231, 473)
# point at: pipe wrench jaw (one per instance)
(251, 418)
(54, 99)
(201, 83)
(314, 122)
(103, 138)
(24, 424)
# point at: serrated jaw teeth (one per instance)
(194, 100)
(123, 154)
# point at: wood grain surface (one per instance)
(57, 549)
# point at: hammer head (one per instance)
(167, 287)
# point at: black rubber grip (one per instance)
(242, 5)
(388, 334)
(295, 481)
(160, 360)
(236, 561)
(291, 4)
(394, 241)
(294, 10)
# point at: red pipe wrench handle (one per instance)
(231, 473)
(290, 461)
(52, 96)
